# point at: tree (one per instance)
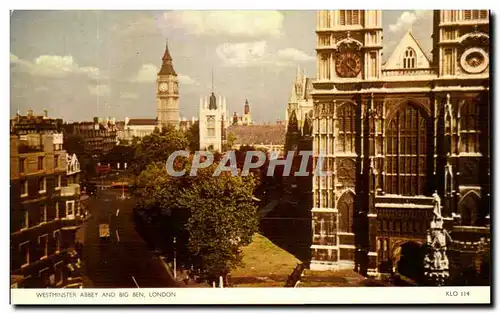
(222, 218)
(211, 217)
(157, 147)
(193, 136)
(231, 138)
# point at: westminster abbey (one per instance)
(393, 135)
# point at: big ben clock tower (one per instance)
(167, 92)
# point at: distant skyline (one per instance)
(81, 64)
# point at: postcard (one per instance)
(221, 157)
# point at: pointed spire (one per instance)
(299, 73)
(166, 55)
(212, 80)
(167, 68)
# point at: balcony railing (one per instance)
(409, 72)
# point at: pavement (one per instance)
(123, 260)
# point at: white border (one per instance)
(353, 295)
(189, 4)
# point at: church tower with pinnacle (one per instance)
(167, 93)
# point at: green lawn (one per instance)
(265, 264)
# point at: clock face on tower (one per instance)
(163, 87)
(474, 60)
(348, 64)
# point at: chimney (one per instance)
(45, 113)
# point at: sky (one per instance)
(81, 64)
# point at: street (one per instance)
(122, 260)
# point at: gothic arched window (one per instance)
(409, 59)
(468, 209)
(346, 117)
(469, 128)
(406, 153)
(350, 17)
(346, 212)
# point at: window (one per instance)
(44, 245)
(409, 58)
(324, 70)
(468, 209)
(40, 163)
(469, 128)
(406, 153)
(24, 188)
(57, 210)
(56, 161)
(59, 181)
(347, 128)
(57, 241)
(448, 64)
(43, 214)
(42, 184)
(24, 248)
(22, 163)
(211, 126)
(373, 64)
(346, 212)
(350, 17)
(70, 209)
(475, 14)
(25, 220)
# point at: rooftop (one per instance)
(258, 134)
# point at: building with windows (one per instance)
(213, 117)
(99, 135)
(268, 137)
(393, 134)
(246, 118)
(300, 103)
(45, 212)
(32, 123)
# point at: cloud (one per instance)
(127, 95)
(295, 55)
(231, 23)
(407, 19)
(242, 54)
(99, 90)
(185, 80)
(54, 66)
(146, 74)
(252, 54)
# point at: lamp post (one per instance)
(175, 260)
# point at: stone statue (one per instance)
(436, 264)
(437, 204)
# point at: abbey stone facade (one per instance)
(394, 134)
